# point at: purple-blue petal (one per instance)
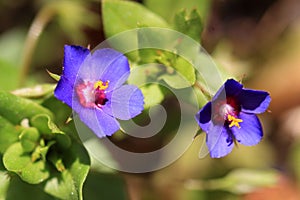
(254, 101)
(64, 91)
(219, 141)
(105, 65)
(230, 88)
(99, 122)
(125, 102)
(250, 132)
(203, 117)
(73, 58)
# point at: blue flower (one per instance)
(231, 116)
(92, 85)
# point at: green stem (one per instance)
(203, 90)
(35, 30)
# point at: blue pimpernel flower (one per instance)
(231, 116)
(92, 85)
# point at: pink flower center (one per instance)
(227, 111)
(92, 95)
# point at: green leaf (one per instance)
(168, 8)
(8, 134)
(35, 172)
(69, 183)
(179, 73)
(144, 74)
(37, 91)
(155, 44)
(153, 95)
(15, 108)
(119, 16)
(44, 124)
(54, 76)
(106, 186)
(62, 111)
(49, 130)
(20, 190)
(183, 76)
(56, 160)
(242, 181)
(4, 183)
(42, 150)
(29, 139)
(16, 160)
(189, 24)
(239, 181)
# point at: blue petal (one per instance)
(203, 117)
(73, 58)
(219, 141)
(104, 65)
(64, 91)
(99, 122)
(230, 88)
(125, 102)
(250, 132)
(254, 101)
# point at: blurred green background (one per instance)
(256, 41)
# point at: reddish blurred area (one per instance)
(284, 189)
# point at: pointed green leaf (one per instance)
(54, 76)
(15, 108)
(100, 185)
(119, 16)
(43, 150)
(38, 91)
(8, 134)
(19, 189)
(153, 95)
(189, 24)
(56, 160)
(69, 183)
(47, 128)
(44, 124)
(16, 160)
(168, 8)
(35, 172)
(179, 72)
(183, 76)
(29, 139)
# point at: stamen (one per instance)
(234, 121)
(100, 85)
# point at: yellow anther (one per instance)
(234, 121)
(101, 85)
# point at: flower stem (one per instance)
(35, 30)
(203, 90)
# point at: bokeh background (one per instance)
(256, 41)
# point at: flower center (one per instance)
(228, 110)
(234, 121)
(92, 95)
(100, 85)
